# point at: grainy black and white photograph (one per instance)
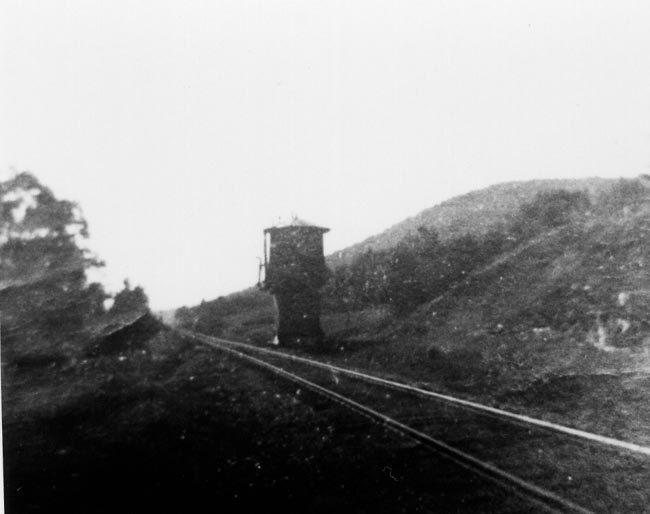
(311, 257)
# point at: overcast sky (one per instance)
(183, 128)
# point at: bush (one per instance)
(130, 300)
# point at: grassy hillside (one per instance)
(559, 327)
(474, 213)
(576, 300)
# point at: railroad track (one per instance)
(553, 467)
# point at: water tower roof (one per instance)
(295, 222)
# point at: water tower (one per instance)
(294, 273)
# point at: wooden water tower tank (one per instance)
(295, 271)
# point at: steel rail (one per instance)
(541, 497)
(522, 418)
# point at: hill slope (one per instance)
(474, 213)
(575, 301)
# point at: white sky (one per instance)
(183, 128)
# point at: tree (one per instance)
(43, 264)
(185, 318)
(130, 300)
